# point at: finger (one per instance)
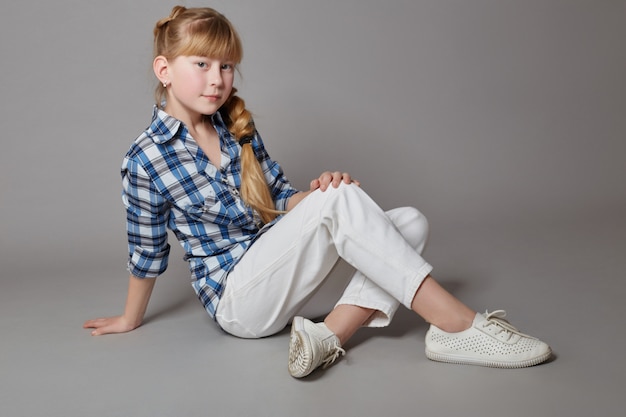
(337, 178)
(347, 179)
(314, 185)
(106, 327)
(93, 323)
(325, 179)
(97, 325)
(101, 330)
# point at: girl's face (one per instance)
(197, 86)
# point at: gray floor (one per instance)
(561, 281)
(502, 120)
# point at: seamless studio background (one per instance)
(503, 121)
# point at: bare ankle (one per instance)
(454, 324)
(346, 319)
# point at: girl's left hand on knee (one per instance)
(332, 178)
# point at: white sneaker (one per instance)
(311, 345)
(491, 341)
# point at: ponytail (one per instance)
(254, 189)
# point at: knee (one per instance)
(412, 224)
(346, 196)
(421, 223)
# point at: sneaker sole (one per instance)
(299, 347)
(461, 360)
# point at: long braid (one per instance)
(254, 189)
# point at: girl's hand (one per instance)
(139, 290)
(106, 325)
(335, 178)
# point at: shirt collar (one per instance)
(164, 127)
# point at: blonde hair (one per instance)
(205, 32)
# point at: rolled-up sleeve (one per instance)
(147, 214)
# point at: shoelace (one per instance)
(497, 318)
(334, 353)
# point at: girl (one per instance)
(260, 252)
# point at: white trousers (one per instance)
(335, 247)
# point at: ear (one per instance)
(161, 67)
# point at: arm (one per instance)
(284, 194)
(296, 198)
(139, 291)
(146, 218)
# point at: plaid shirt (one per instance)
(168, 182)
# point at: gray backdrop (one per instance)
(503, 121)
(473, 111)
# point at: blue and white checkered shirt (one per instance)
(168, 182)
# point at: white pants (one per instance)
(335, 247)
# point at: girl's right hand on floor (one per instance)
(107, 325)
(139, 290)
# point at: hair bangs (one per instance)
(212, 38)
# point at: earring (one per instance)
(165, 84)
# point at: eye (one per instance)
(227, 67)
(202, 65)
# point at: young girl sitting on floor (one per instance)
(261, 253)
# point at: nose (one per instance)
(215, 77)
